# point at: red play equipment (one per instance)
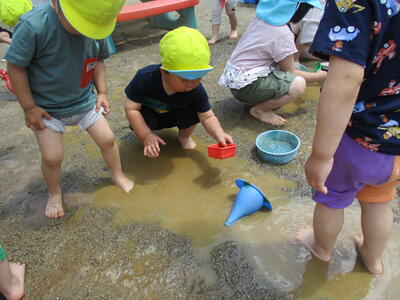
(151, 8)
(4, 76)
(160, 13)
(216, 151)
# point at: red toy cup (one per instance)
(216, 151)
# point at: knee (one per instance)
(53, 161)
(107, 143)
(230, 12)
(298, 86)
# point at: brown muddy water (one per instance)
(166, 239)
(109, 241)
(190, 194)
(129, 246)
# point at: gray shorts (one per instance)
(84, 120)
(217, 10)
(275, 85)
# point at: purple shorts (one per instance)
(354, 167)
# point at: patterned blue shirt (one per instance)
(367, 32)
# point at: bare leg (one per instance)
(12, 280)
(263, 110)
(215, 34)
(104, 138)
(185, 139)
(376, 225)
(233, 20)
(327, 224)
(51, 149)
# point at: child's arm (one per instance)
(20, 84)
(214, 128)
(334, 110)
(150, 140)
(287, 65)
(100, 82)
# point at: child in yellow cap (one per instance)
(170, 94)
(55, 62)
(10, 11)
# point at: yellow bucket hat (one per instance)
(10, 10)
(94, 19)
(184, 52)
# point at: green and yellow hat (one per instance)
(184, 52)
(94, 19)
(11, 10)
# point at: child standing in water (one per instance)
(355, 153)
(11, 278)
(260, 72)
(171, 95)
(55, 61)
(230, 8)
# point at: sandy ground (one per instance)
(83, 255)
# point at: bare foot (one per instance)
(233, 35)
(306, 237)
(16, 290)
(374, 266)
(54, 207)
(267, 117)
(186, 143)
(124, 183)
(213, 40)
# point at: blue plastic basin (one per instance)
(277, 146)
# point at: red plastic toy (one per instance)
(216, 151)
(4, 76)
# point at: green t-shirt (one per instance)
(60, 65)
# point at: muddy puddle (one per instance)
(190, 194)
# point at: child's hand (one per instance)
(33, 118)
(103, 101)
(5, 37)
(317, 171)
(224, 139)
(321, 75)
(152, 145)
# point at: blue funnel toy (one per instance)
(248, 201)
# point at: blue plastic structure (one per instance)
(277, 146)
(249, 200)
(172, 20)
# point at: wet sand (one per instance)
(115, 246)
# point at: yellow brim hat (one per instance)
(94, 19)
(191, 74)
(185, 52)
(11, 10)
